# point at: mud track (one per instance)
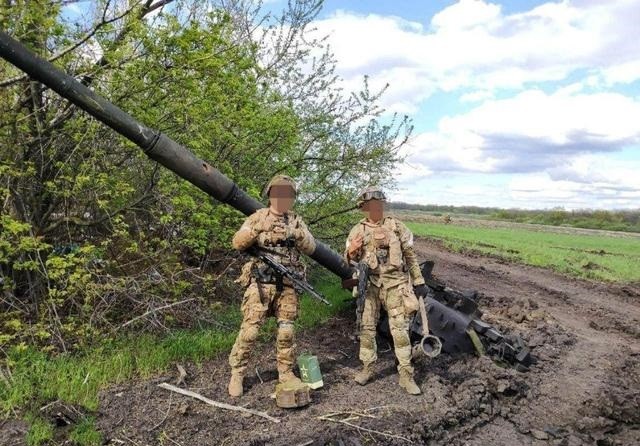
(584, 389)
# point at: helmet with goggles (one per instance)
(371, 193)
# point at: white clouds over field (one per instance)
(548, 95)
(473, 45)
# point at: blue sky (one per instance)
(528, 104)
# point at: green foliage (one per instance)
(76, 378)
(40, 432)
(94, 234)
(314, 312)
(85, 434)
(621, 220)
(597, 257)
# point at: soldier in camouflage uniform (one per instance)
(284, 235)
(386, 245)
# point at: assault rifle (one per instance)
(363, 277)
(281, 271)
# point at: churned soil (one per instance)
(584, 388)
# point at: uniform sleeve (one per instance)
(305, 242)
(410, 258)
(352, 234)
(247, 234)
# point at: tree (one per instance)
(92, 232)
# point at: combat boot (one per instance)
(235, 384)
(288, 377)
(364, 375)
(407, 382)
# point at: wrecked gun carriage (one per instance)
(455, 321)
(454, 317)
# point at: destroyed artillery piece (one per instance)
(453, 317)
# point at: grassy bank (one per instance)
(590, 256)
(35, 379)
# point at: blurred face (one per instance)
(281, 198)
(373, 209)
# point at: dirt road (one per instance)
(585, 388)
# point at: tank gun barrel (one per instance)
(154, 144)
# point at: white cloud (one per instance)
(474, 45)
(590, 182)
(531, 132)
(593, 182)
(477, 96)
(624, 73)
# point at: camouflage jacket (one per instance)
(284, 236)
(387, 248)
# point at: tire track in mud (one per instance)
(581, 386)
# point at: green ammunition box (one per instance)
(310, 371)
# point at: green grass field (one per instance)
(590, 256)
(35, 379)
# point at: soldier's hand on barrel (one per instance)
(421, 290)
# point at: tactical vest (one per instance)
(382, 246)
(279, 242)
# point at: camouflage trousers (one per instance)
(392, 300)
(284, 306)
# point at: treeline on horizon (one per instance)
(614, 220)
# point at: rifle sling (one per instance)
(256, 275)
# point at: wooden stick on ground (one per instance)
(346, 422)
(218, 404)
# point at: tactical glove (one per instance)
(421, 290)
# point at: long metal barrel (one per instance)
(155, 145)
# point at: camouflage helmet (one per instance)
(280, 180)
(371, 193)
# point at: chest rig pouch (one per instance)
(279, 242)
(384, 243)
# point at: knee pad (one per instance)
(285, 331)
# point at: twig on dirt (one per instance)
(46, 406)
(182, 375)
(387, 350)
(389, 406)
(258, 375)
(306, 443)
(218, 404)
(165, 415)
(172, 440)
(154, 310)
(353, 415)
(131, 440)
(346, 355)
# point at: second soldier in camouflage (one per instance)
(386, 245)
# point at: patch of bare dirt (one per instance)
(584, 389)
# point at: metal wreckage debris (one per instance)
(453, 316)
